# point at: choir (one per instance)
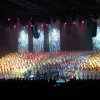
(74, 64)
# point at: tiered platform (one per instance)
(61, 65)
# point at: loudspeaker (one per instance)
(94, 28)
(35, 32)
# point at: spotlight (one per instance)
(14, 26)
(9, 19)
(65, 23)
(82, 21)
(23, 41)
(42, 25)
(74, 23)
(31, 25)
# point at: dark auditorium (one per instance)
(50, 47)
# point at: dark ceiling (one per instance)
(41, 8)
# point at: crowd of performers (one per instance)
(74, 64)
